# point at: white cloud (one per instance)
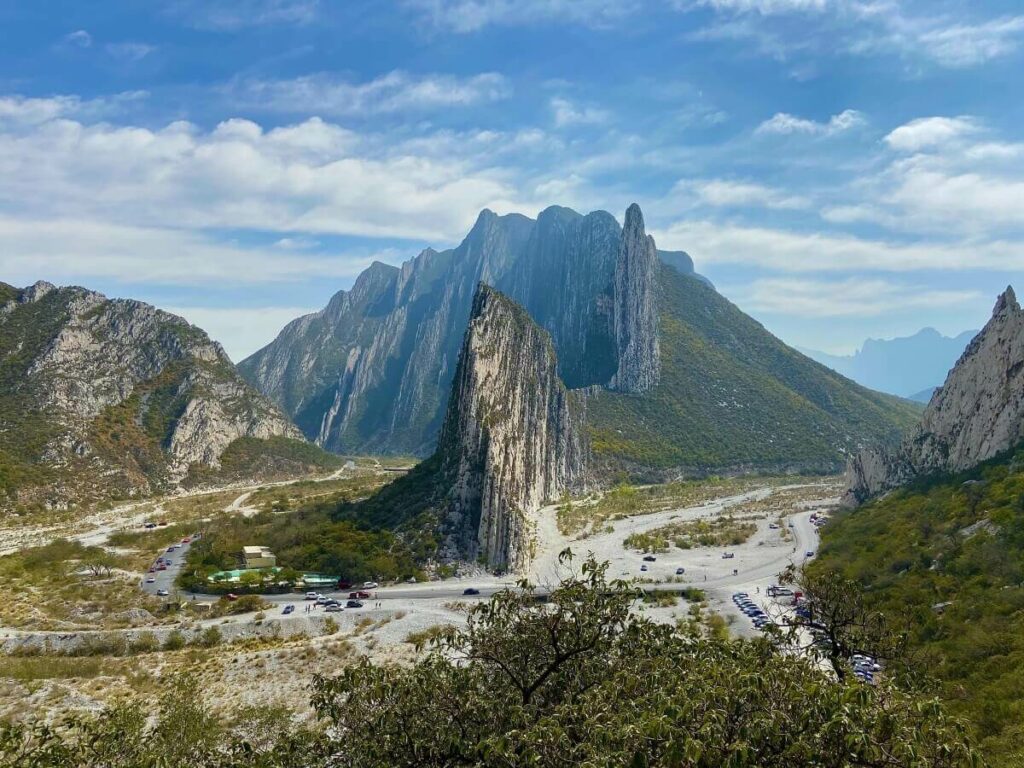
(29, 111)
(786, 251)
(241, 331)
(726, 193)
(393, 92)
(471, 15)
(784, 123)
(929, 132)
(129, 51)
(232, 15)
(853, 297)
(966, 45)
(566, 113)
(763, 7)
(79, 37)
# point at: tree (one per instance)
(581, 680)
(843, 624)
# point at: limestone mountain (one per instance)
(977, 414)
(102, 397)
(513, 436)
(677, 380)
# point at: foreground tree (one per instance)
(574, 679)
(579, 680)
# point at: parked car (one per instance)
(360, 595)
(311, 595)
(150, 580)
(161, 567)
(471, 591)
(809, 553)
(680, 571)
(288, 609)
(186, 540)
(333, 608)
(322, 600)
(411, 580)
(370, 585)
(728, 555)
(231, 596)
(353, 604)
(773, 526)
(643, 567)
(162, 593)
(170, 548)
(649, 558)
(150, 525)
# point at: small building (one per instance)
(258, 557)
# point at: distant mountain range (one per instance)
(676, 380)
(910, 366)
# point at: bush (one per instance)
(175, 641)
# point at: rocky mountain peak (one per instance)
(977, 414)
(512, 437)
(635, 310)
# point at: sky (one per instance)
(841, 169)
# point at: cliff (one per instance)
(512, 436)
(106, 396)
(977, 414)
(636, 315)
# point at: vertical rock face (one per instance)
(977, 414)
(512, 437)
(635, 311)
(371, 372)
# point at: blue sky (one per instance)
(840, 168)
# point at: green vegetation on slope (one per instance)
(733, 395)
(946, 558)
(585, 682)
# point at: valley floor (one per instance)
(52, 666)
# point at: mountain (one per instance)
(924, 396)
(102, 397)
(676, 379)
(513, 436)
(976, 415)
(906, 366)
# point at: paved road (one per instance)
(165, 579)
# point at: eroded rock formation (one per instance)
(977, 414)
(512, 436)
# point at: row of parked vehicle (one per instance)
(331, 604)
(751, 609)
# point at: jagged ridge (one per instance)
(977, 414)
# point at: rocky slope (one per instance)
(977, 414)
(683, 382)
(371, 372)
(105, 397)
(513, 435)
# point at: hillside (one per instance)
(105, 398)
(944, 558)
(732, 396)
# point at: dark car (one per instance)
(353, 604)
(471, 591)
(288, 609)
(649, 558)
(680, 571)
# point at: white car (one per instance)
(370, 585)
(162, 593)
(311, 595)
(150, 580)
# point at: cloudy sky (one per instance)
(840, 168)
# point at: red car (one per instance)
(358, 595)
(231, 596)
(151, 570)
(186, 540)
(161, 567)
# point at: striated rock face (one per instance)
(512, 437)
(120, 390)
(371, 372)
(977, 414)
(635, 315)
